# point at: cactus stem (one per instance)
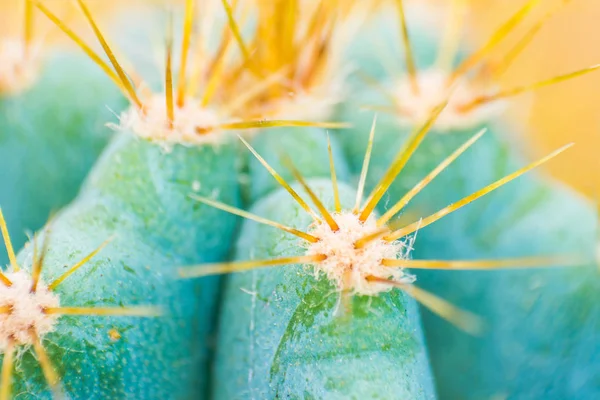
(396, 208)
(335, 254)
(29, 309)
(472, 197)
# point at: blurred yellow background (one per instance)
(568, 111)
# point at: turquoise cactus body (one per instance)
(140, 193)
(288, 331)
(542, 322)
(47, 145)
(285, 333)
(518, 220)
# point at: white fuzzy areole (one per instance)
(348, 267)
(19, 65)
(152, 124)
(415, 108)
(26, 310)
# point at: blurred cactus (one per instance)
(47, 143)
(514, 357)
(117, 297)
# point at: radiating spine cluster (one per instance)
(163, 182)
(30, 308)
(354, 251)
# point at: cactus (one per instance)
(471, 370)
(46, 146)
(292, 347)
(95, 306)
(167, 146)
(79, 327)
(540, 323)
(272, 320)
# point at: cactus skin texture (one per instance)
(129, 271)
(542, 323)
(50, 135)
(154, 186)
(305, 146)
(141, 193)
(522, 351)
(279, 333)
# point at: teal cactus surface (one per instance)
(527, 218)
(47, 146)
(137, 192)
(410, 254)
(516, 221)
(153, 186)
(521, 353)
(91, 362)
(286, 333)
(169, 147)
(540, 322)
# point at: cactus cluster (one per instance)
(208, 237)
